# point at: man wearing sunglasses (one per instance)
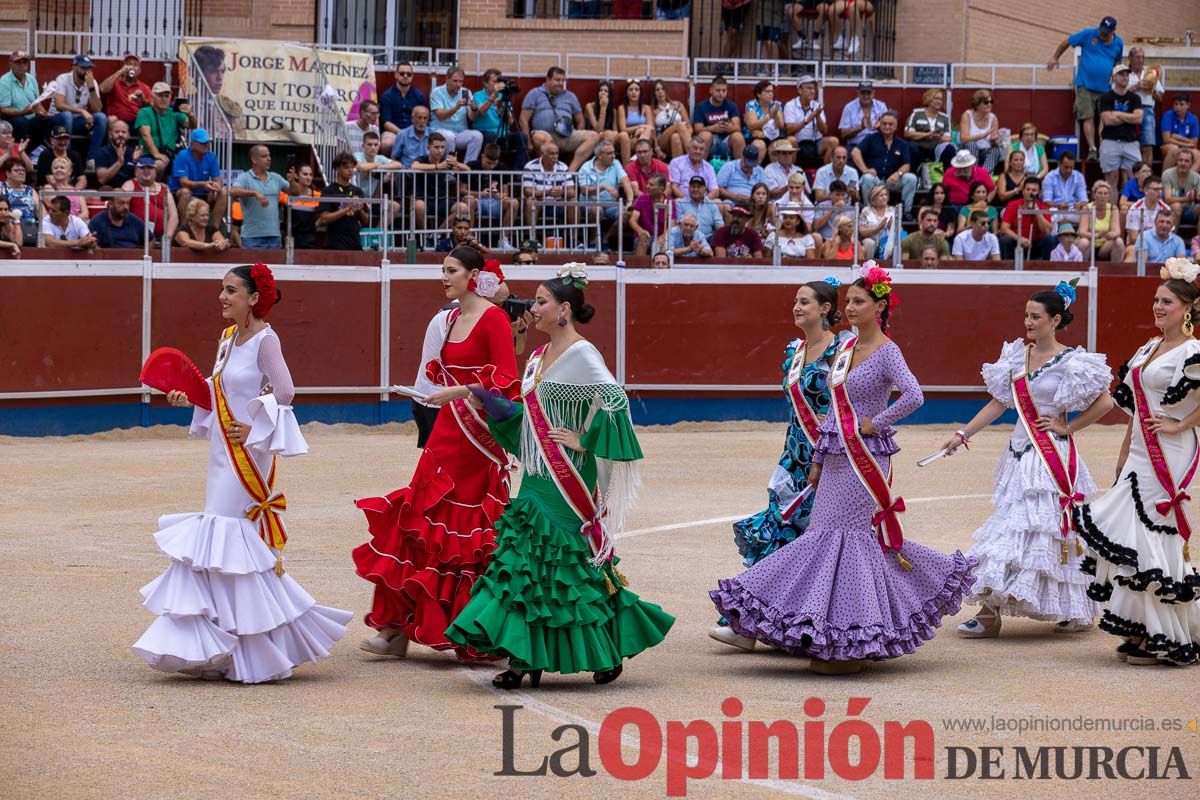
(396, 105)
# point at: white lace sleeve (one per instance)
(273, 425)
(270, 361)
(996, 376)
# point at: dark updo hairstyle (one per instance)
(581, 311)
(1187, 292)
(468, 256)
(1055, 306)
(245, 274)
(827, 294)
(887, 306)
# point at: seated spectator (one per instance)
(885, 158)
(195, 234)
(11, 236)
(685, 167)
(927, 235)
(259, 190)
(1133, 190)
(930, 258)
(304, 212)
(1121, 119)
(60, 183)
(61, 228)
(413, 142)
(601, 117)
(1066, 249)
(493, 195)
(453, 110)
(1142, 213)
(460, 235)
(796, 196)
(438, 193)
(367, 122)
(1064, 187)
(708, 212)
(1110, 245)
(1035, 154)
(793, 236)
(875, 224)
(861, 117)
(60, 147)
(928, 129)
(19, 89)
(979, 131)
(962, 176)
(737, 239)
(643, 165)
(1158, 244)
(551, 113)
(842, 246)
(976, 242)
(342, 221)
(947, 214)
(719, 122)
(634, 118)
(396, 106)
(660, 261)
(11, 151)
(376, 174)
(648, 219)
(23, 200)
(115, 227)
(1009, 182)
(603, 179)
(1181, 184)
(1180, 129)
(804, 121)
(161, 219)
(117, 159)
(1033, 231)
(782, 167)
(671, 127)
(979, 202)
(125, 92)
(839, 170)
(527, 254)
(548, 187)
(76, 104)
(764, 118)
(686, 241)
(158, 125)
(737, 178)
(762, 211)
(197, 173)
(828, 211)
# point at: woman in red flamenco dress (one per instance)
(433, 538)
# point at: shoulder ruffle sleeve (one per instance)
(1122, 394)
(610, 433)
(1085, 377)
(1187, 376)
(202, 421)
(507, 432)
(789, 353)
(274, 429)
(997, 375)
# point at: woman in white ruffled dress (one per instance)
(1141, 565)
(1027, 567)
(226, 608)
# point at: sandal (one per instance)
(985, 625)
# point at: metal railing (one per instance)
(210, 115)
(330, 130)
(83, 194)
(150, 28)
(607, 66)
(1055, 214)
(370, 237)
(513, 63)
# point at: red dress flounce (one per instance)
(432, 539)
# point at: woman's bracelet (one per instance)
(962, 435)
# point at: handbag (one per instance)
(564, 126)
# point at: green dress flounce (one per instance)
(542, 603)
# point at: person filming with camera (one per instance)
(494, 117)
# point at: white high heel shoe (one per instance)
(394, 645)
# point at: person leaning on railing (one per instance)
(61, 228)
(437, 192)
(115, 227)
(342, 221)
(304, 211)
(376, 174)
(195, 234)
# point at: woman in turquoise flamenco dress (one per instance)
(552, 598)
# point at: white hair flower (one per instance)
(574, 273)
(1180, 269)
(487, 284)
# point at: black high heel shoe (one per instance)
(608, 675)
(511, 679)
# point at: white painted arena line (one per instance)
(632, 741)
(699, 522)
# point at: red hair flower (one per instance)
(268, 293)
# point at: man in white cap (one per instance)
(76, 101)
(804, 119)
(1121, 115)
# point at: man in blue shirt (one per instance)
(717, 119)
(494, 116)
(453, 110)
(737, 178)
(1064, 187)
(413, 142)
(883, 157)
(552, 113)
(115, 227)
(396, 105)
(197, 173)
(1180, 130)
(1159, 245)
(1099, 51)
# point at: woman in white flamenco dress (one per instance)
(1029, 555)
(226, 609)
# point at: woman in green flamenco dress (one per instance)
(552, 598)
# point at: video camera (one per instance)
(507, 89)
(516, 307)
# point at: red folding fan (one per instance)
(168, 370)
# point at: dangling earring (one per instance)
(562, 322)
(1187, 325)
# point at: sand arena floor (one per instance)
(83, 717)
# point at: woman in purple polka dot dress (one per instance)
(846, 591)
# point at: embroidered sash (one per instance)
(795, 392)
(268, 505)
(1177, 496)
(886, 520)
(1064, 475)
(468, 419)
